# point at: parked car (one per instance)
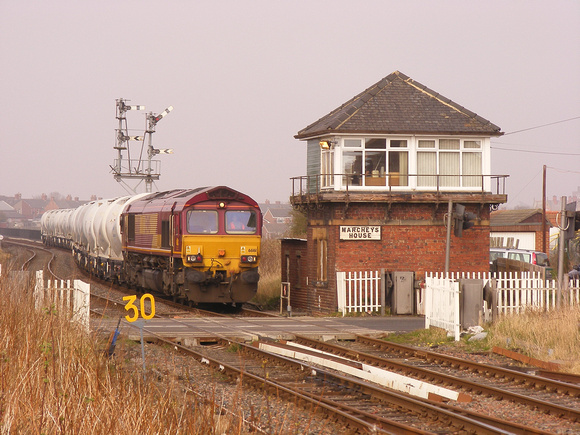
(533, 257)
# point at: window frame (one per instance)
(203, 232)
(237, 231)
(356, 148)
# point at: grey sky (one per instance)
(245, 76)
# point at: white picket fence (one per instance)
(516, 292)
(74, 297)
(358, 291)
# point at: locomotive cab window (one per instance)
(202, 222)
(130, 227)
(241, 222)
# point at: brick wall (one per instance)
(413, 238)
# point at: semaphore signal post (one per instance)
(138, 167)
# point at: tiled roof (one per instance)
(36, 203)
(399, 105)
(65, 203)
(515, 217)
(285, 212)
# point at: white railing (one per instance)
(520, 291)
(574, 292)
(64, 295)
(442, 304)
(358, 291)
(516, 292)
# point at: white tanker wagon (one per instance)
(92, 231)
(54, 224)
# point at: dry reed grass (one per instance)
(269, 285)
(54, 378)
(548, 336)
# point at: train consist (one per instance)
(197, 245)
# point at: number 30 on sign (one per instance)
(130, 306)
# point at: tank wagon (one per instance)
(196, 245)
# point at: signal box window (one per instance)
(202, 222)
(241, 222)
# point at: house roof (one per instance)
(397, 104)
(278, 211)
(515, 217)
(4, 206)
(65, 203)
(275, 228)
(35, 203)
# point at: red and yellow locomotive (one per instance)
(198, 246)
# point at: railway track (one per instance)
(360, 405)
(31, 254)
(553, 403)
(365, 407)
(559, 399)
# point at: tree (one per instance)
(299, 224)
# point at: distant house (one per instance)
(277, 219)
(7, 212)
(519, 228)
(31, 208)
(4, 206)
(555, 203)
(60, 204)
(16, 211)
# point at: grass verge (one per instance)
(548, 336)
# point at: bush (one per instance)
(268, 295)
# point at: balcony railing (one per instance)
(320, 184)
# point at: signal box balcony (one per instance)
(398, 188)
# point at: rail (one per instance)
(307, 186)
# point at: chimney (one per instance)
(93, 197)
(44, 197)
(76, 198)
(68, 197)
(18, 196)
(267, 201)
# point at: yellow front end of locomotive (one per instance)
(233, 254)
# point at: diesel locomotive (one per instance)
(196, 245)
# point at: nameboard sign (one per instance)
(363, 232)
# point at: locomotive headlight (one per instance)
(248, 259)
(195, 258)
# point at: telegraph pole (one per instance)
(561, 245)
(544, 247)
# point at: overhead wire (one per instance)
(538, 152)
(543, 125)
(535, 152)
